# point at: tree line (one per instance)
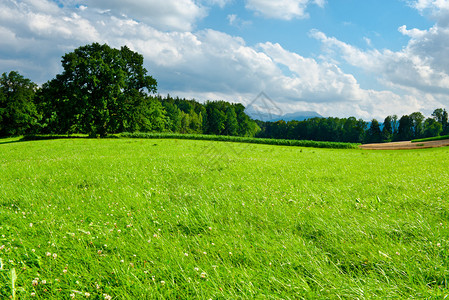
(103, 90)
(351, 130)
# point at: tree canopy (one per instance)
(101, 90)
(18, 113)
(374, 134)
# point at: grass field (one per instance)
(180, 219)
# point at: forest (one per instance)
(408, 127)
(103, 91)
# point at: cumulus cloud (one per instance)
(282, 9)
(166, 15)
(413, 33)
(43, 19)
(421, 65)
(436, 5)
(33, 31)
(322, 82)
(420, 70)
(208, 64)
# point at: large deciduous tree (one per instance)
(101, 90)
(18, 113)
(441, 116)
(432, 128)
(418, 120)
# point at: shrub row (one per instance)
(435, 138)
(206, 137)
(237, 139)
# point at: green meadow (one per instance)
(183, 219)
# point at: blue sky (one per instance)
(348, 20)
(362, 58)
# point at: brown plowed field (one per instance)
(405, 145)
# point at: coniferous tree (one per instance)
(374, 134)
(387, 130)
(231, 124)
(405, 130)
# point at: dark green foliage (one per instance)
(18, 114)
(441, 117)
(405, 130)
(101, 90)
(231, 124)
(418, 129)
(348, 130)
(224, 118)
(374, 134)
(213, 117)
(246, 126)
(432, 128)
(353, 130)
(387, 130)
(216, 117)
(445, 123)
(173, 114)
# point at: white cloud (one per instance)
(413, 33)
(178, 15)
(282, 9)
(45, 21)
(234, 20)
(34, 34)
(368, 41)
(419, 72)
(422, 65)
(209, 64)
(422, 5)
(310, 80)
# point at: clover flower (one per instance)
(35, 282)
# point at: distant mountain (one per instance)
(296, 116)
(263, 108)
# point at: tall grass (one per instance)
(172, 218)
